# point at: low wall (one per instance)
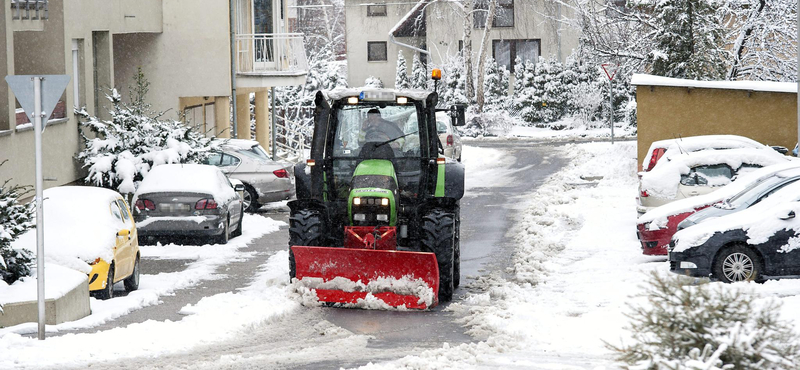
(70, 307)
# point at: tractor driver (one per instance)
(375, 128)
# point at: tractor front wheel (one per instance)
(438, 229)
(306, 228)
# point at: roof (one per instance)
(337, 94)
(767, 86)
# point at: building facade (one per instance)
(377, 30)
(183, 47)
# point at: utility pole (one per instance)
(233, 69)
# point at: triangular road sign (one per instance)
(52, 88)
(610, 69)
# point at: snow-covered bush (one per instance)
(708, 326)
(586, 101)
(524, 91)
(488, 124)
(15, 219)
(373, 82)
(453, 90)
(495, 87)
(133, 141)
(419, 74)
(401, 76)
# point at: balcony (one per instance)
(265, 60)
(29, 9)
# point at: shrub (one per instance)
(709, 326)
(15, 219)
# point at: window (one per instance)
(505, 52)
(376, 51)
(503, 13)
(221, 160)
(376, 10)
(710, 175)
(124, 208)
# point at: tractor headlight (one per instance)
(359, 217)
(384, 201)
(357, 201)
(383, 217)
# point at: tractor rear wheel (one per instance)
(306, 228)
(438, 229)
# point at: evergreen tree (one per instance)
(15, 219)
(495, 87)
(525, 93)
(401, 78)
(688, 40)
(419, 74)
(453, 90)
(374, 82)
(124, 149)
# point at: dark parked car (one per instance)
(188, 200)
(758, 243)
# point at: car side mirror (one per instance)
(788, 216)
(458, 115)
(238, 187)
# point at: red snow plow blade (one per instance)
(397, 278)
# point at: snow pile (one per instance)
(662, 181)
(187, 178)
(212, 319)
(58, 281)
(406, 285)
(78, 226)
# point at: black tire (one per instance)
(226, 231)
(108, 291)
(238, 231)
(307, 228)
(250, 200)
(132, 282)
(457, 262)
(438, 236)
(737, 263)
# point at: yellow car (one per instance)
(91, 230)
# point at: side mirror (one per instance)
(780, 149)
(457, 114)
(238, 187)
(788, 216)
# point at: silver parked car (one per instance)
(264, 180)
(188, 200)
(451, 141)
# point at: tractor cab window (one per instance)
(377, 131)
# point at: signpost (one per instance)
(611, 70)
(38, 96)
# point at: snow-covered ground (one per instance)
(573, 131)
(206, 260)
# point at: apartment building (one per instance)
(376, 30)
(182, 46)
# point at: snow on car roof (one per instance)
(659, 214)
(186, 178)
(78, 226)
(662, 180)
(236, 143)
(760, 221)
(639, 79)
(701, 142)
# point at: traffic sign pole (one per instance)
(36, 116)
(38, 96)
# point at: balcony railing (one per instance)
(264, 53)
(29, 9)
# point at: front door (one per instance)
(264, 42)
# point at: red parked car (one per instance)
(656, 227)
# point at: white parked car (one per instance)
(264, 180)
(451, 141)
(665, 148)
(697, 173)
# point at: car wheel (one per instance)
(737, 263)
(226, 232)
(108, 291)
(238, 231)
(132, 282)
(250, 200)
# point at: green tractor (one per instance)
(377, 209)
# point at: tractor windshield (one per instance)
(361, 129)
(359, 125)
